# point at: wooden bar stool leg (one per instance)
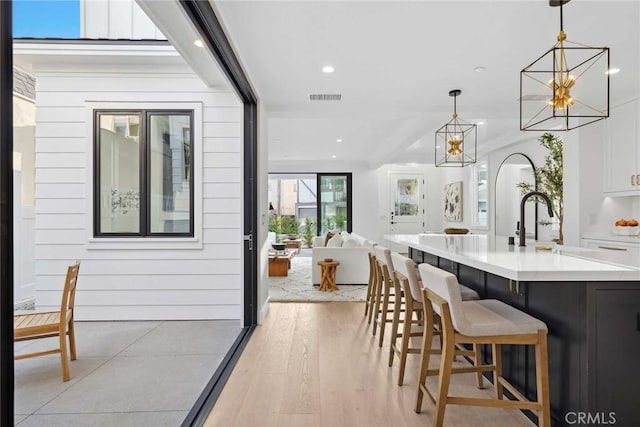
(444, 379)
(385, 307)
(542, 380)
(395, 323)
(367, 302)
(496, 351)
(406, 335)
(425, 353)
(374, 294)
(376, 308)
(477, 362)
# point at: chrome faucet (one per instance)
(522, 202)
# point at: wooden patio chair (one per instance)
(51, 324)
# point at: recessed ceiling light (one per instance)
(338, 140)
(478, 69)
(480, 123)
(328, 69)
(198, 43)
(334, 156)
(437, 146)
(612, 71)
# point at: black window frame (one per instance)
(144, 171)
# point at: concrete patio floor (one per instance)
(126, 373)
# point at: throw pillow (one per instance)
(335, 241)
(328, 237)
(351, 243)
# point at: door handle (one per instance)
(638, 179)
(634, 178)
(612, 248)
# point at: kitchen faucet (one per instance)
(522, 202)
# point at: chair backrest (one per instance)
(69, 291)
(445, 285)
(407, 268)
(383, 255)
(369, 245)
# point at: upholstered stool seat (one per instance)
(468, 294)
(493, 317)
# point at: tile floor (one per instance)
(126, 374)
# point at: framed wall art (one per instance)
(453, 201)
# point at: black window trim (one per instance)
(145, 185)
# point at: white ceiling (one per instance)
(396, 61)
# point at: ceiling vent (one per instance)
(532, 97)
(325, 97)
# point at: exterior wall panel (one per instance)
(138, 279)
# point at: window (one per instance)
(480, 193)
(143, 185)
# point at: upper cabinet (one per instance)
(622, 151)
(480, 194)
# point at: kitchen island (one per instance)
(590, 301)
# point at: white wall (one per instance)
(116, 19)
(262, 242)
(143, 278)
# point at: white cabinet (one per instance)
(611, 245)
(622, 150)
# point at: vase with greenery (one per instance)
(548, 179)
(309, 231)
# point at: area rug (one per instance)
(297, 286)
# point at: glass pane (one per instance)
(292, 207)
(333, 203)
(407, 199)
(119, 173)
(170, 173)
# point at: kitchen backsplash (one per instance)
(612, 209)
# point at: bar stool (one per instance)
(384, 294)
(368, 304)
(406, 274)
(406, 277)
(478, 322)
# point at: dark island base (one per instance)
(594, 343)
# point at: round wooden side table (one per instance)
(328, 282)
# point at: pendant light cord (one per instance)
(561, 20)
(455, 110)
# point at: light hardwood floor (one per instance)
(318, 365)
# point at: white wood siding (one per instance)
(163, 281)
(116, 19)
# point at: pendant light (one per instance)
(456, 141)
(565, 88)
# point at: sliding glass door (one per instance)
(334, 202)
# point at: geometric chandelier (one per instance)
(457, 140)
(565, 88)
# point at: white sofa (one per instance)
(354, 261)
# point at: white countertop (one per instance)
(495, 256)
